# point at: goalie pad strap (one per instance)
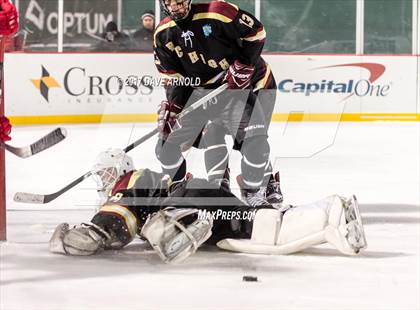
(185, 231)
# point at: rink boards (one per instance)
(92, 88)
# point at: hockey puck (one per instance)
(249, 279)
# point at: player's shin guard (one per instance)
(216, 155)
(255, 153)
(172, 161)
(333, 220)
(216, 159)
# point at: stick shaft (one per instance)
(38, 198)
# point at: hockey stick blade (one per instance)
(54, 137)
(43, 199)
(29, 198)
(23, 197)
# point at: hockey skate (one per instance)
(224, 182)
(273, 192)
(255, 198)
(355, 232)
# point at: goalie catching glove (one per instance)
(167, 121)
(9, 22)
(239, 75)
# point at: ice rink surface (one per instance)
(377, 161)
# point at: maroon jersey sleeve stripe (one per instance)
(255, 32)
(164, 21)
(218, 7)
(122, 183)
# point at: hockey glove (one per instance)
(167, 121)
(9, 22)
(5, 129)
(239, 75)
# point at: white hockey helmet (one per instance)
(183, 8)
(110, 166)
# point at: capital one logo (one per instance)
(363, 87)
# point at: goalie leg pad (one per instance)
(82, 240)
(277, 232)
(345, 230)
(176, 234)
(302, 227)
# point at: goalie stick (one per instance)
(43, 199)
(54, 137)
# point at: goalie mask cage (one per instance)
(2, 153)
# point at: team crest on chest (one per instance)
(207, 30)
(187, 36)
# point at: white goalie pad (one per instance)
(176, 234)
(334, 220)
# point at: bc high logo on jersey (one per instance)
(207, 30)
(187, 36)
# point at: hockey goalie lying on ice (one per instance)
(168, 216)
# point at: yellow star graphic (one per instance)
(49, 81)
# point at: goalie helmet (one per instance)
(110, 166)
(176, 9)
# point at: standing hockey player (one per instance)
(140, 203)
(203, 41)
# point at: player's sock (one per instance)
(172, 161)
(216, 158)
(216, 155)
(255, 153)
